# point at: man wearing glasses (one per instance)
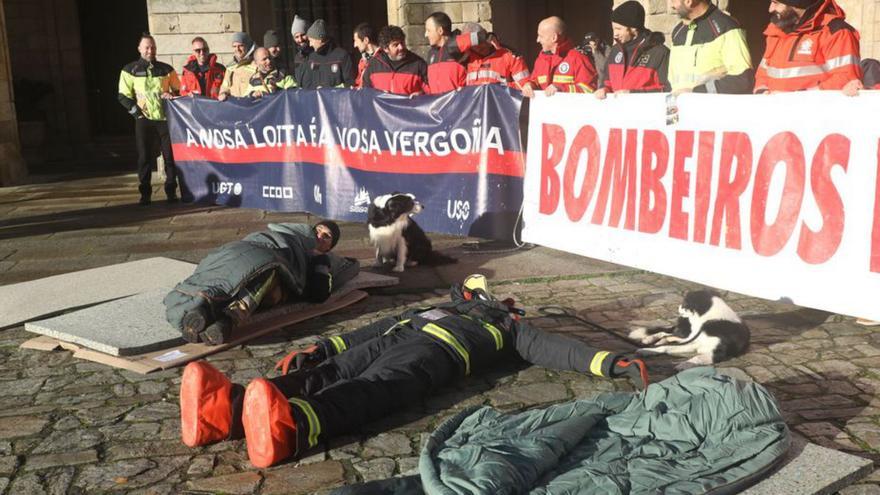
(202, 74)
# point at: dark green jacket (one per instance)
(285, 247)
(696, 432)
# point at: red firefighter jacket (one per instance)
(820, 53)
(568, 69)
(498, 66)
(445, 72)
(190, 84)
(639, 66)
(404, 77)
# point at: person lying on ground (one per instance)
(284, 263)
(345, 381)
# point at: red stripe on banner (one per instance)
(509, 163)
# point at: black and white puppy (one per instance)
(394, 233)
(706, 325)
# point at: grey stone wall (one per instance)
(174, 24)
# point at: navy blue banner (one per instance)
(331, 152)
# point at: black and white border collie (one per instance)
(395, 234)
(706, 325)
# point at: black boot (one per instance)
(146, 191)
(171, 193)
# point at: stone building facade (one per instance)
(60, 59)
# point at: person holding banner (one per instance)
(487, 64)
(144, 85)
(446, 72)
(328, 66)
(267, 79)
(345, 381)
(709, 52)
(559, 66)
(394, 69)
(238, 76)
(809, 46)
(202, 74)
(639, 61)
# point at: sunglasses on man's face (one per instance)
(200, 50)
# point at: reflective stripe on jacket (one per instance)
(270, 82)
(141, 84)
(568, 69)
(821, 53)
(710, 55)
(640, 66)
(189, 79)
(499, 66)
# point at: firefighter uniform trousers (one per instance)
(395, 362)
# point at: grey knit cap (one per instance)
(318, 30)
(299, 25)
(271, 38)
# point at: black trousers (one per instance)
(371, 380)
(150, 135)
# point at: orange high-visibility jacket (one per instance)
(568, 69)
(500, 66)
(821, 53)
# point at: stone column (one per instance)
(13, 169)
(410, 16)
(175, 23)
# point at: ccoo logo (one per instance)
(458, 210)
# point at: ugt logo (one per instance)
(458, 209)
(233, 188)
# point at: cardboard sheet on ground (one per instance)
(145, 342)
(27, 301)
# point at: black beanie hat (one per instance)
(334, 229)
(800, 4)
(630, 14)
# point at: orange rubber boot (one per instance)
(205, 405)
(269, 426)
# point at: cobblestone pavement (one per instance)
(71, 426)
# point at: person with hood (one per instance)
(639, 61)
(394, 68)
(144, 85)
(267, 79)
(238, 75)
(488, 64)
(202, 74)
(345, 381)
(328, 66)
(364, 39)
(809, 46)
(559, 67)
(286, 262)
(709, 52)
(301, 47)
(595, 47)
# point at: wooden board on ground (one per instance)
(26, 301)
(137, 324)
(182, 354)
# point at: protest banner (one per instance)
(331, 152)
(773, 196)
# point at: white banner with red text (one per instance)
(772, 196)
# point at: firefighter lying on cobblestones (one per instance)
(286, 262)
(345, 381)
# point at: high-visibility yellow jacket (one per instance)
(269, 83)
(710, 55)
(238, 77)
(141, 84)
